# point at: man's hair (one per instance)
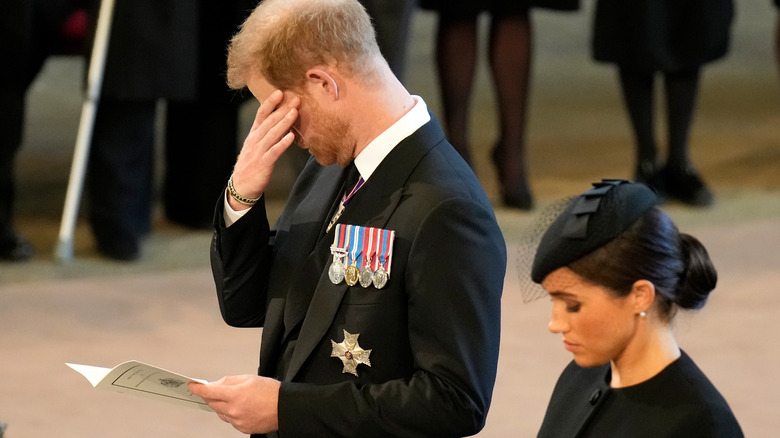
(282, 39)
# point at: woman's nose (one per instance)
(557, 323)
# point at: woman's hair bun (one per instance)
(698, 278)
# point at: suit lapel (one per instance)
(308, 244)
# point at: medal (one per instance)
(361, 255)
(380, 278)
(351, 276)
(337, 270)
(385, 250)
(350, 353)
(366, 276)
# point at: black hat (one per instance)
(589, 221)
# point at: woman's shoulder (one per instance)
(695, 392)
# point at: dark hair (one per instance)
(653, 249)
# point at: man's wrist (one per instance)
(239, 198)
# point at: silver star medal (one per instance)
(337, 271)
(350, 353)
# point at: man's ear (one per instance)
(323, 81)
(643, 292)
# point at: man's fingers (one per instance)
(267, 107)
(282, 127)
(272, 129)
(276, 151)
(273, 105)
(208, 391)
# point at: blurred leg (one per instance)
(28, 32)
(456, 55)
(120, 177)
(681, 92)
(638, 86)
(681, 179)
(510, 62)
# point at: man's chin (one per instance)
(322, 160)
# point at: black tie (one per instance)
(353, 175)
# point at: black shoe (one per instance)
(685, 185)
(15, 249)
(647, 173)
(520, 196)
(123, 250)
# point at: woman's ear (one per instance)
(323, 81)
(643, 293)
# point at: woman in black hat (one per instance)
(617, 270)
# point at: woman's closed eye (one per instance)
(573, 307)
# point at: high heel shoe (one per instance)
(649, 174)
(684, 184)
(515, 194)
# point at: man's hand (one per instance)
(269, 137)
(249, 403)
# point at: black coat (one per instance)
(156, 47)
(666, 35)
(679, 402)
(433, 330)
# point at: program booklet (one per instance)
(133, 377)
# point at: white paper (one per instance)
(133, 377)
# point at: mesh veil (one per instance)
(529, 243)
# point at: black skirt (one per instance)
(472, 7)
(666, 35)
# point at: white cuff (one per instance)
(232, 216)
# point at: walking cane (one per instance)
(64, 248)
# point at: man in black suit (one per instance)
(408, 349)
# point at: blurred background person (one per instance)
(30, 32)
(201, 133)
(392, 19)
(510, 61)
(173, 50)
(673, 38)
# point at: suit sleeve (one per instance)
(453, 279)
(240, 263)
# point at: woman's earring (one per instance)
(643, 314)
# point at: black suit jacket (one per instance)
(433, 330)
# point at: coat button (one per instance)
(594, 398)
